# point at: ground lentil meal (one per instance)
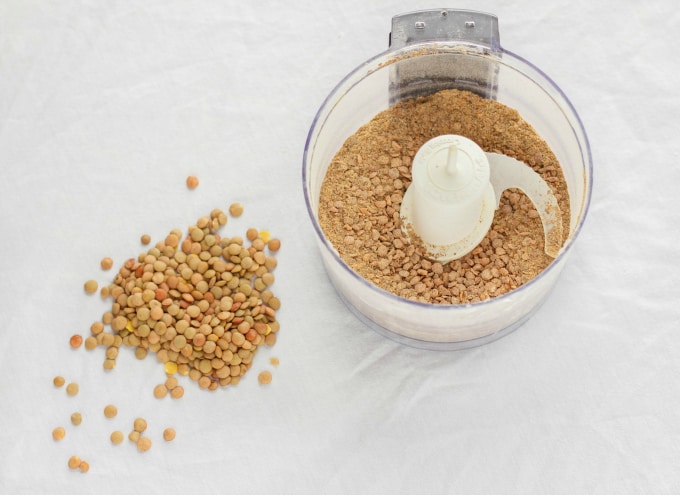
(363, 187)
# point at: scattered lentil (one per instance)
(144, 444)
(134, 436)
(74, 462)
(58, 433)
(236, 209)
(145, 239)
(110, 411)
(106, 263)
(72, 389)
(169, 434)
(265, 377)
(117, 437)
(177, 392)
(91, 286)
(75, 341)
(160, 391)
(140, 425)
(84, 466)
(274, 361)
(58, 381)
(76, 418)
(361, 196)
(192, 182)
(274, 245)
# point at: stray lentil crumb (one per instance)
(58, 381)
(274, 361)
(75, 341)
(72, 389)
(106, 263)
(192, 182)
(58, 433)
(265, 377)
(236, 209)
(76, 418)
(169, 434)
(91, 286)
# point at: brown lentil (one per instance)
(177, 392)
(58, 381)
(144, 444)
(58, 433)
(236, 209)
(169, 434)
(361, 196)
(84, 466)
(110, 411)
(91, 286)
(72, 389)
(76, 341)
(76, 418)
(117, 437)
(192, 182)
(145, 239)
(106, 263)
(265, 377)
(160, 391)
(74, 462)
(140, 425)
(134, 436)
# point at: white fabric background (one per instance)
(105, 108)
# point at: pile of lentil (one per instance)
(201, 303)
(363, 187)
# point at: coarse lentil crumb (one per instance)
(169, 434)
(361, 196)
(58, 433)
(91, 286)
(274, 361)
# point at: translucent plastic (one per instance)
(364, 93)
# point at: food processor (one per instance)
(456, 186)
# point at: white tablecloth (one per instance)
(106, 107)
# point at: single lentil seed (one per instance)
(140, 425)
(274, 245)
(58, 433)
(106, 263)
(265, 377)
(265, 236)
(236, 209)
(134, 436)
(192, 182)
(76, 341)
(72, 389)
(90, 343)
(110, 411)
(76, 418)
(169, 434)
(145, 239)
(84, 466)
(74, 462)
(177, 392)
(160, 391)
(144, 444)
(91, 286)
(170, 368)
(58, 381)
(117, 437)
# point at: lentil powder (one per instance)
(363, 188)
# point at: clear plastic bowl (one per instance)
(368, 90)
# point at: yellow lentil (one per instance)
(72, 389)
(170, 367)
(169, 434)
(274, 361)
(264, 235)
(117, 437)
(106, 263)
(58, 433)
(76, 418)
(110, 411)
(91, 286)
(58, 381)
